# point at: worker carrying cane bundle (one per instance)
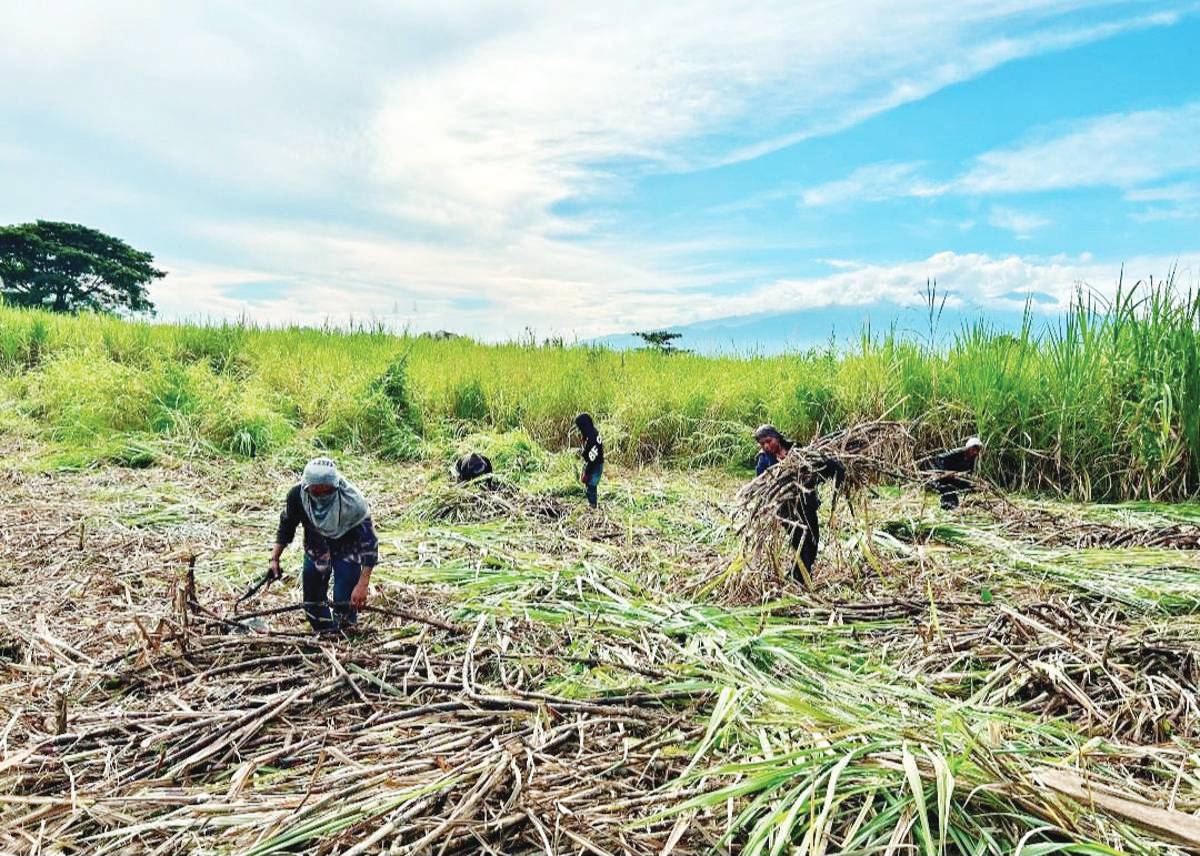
(801, 511)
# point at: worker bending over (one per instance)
(339, 542)
(949, 462)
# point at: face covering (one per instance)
(338, 511)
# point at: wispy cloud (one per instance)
(872, 183)
(1021, 223)
(1121, 150)
(1184, 191)
(947, 69)
(1118, 150)
(1179, 201)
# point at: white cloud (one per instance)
(970, 279)
(491, 291)
(190, 284)
(529, 117)
(1021, 223)
(339, 278)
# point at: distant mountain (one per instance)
(774, 333)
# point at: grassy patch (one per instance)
(1102, 407)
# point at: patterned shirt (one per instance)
(359, 544)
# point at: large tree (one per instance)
(67, 268)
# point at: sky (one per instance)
(584, 169)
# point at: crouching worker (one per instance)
(800, 512)
(471, 467)
(948, 462)
(592, 453)
(339, 542)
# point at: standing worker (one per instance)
(948, 462)
(592, 453)
(339, 541)
(801, 512)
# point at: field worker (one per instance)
(592, 453)
(960, 460)
(339, 541)
(802, 511)
(471, 467)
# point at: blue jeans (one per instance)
(592, 484)
(316, 591)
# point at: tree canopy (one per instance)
(66, 267)
(662, 341)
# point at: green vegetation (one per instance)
(1106, 406)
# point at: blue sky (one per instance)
(583, 170)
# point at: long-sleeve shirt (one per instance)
(951, 461)
(593, 455)
(359, 544)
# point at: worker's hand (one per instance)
(583, 479)
(358, 597)
(274, 569)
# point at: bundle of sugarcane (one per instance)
(492, 499)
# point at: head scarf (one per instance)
(586, 426)
(337, 512)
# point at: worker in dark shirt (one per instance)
(592, 453)
(948, 462)
(801, 512)
(471, 467)
(339, 542)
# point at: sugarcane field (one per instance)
(520, 428)
(533, 676)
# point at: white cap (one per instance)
(972, 442)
